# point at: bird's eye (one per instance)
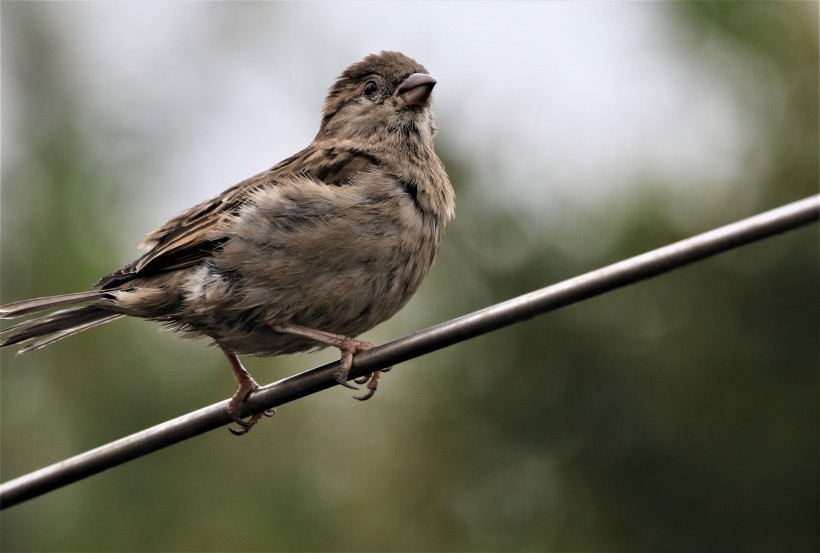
(370, 88)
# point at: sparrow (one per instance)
(316, 250)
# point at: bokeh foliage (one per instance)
(680, 414)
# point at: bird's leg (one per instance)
(246, 385)
(348, 347)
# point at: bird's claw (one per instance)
(372, 381)
(341, 378)
(368, 395)
(349, 347)
(234, 409)
(246, 425)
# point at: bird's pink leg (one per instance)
(246, 385)
(348, 347)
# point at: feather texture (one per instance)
(37, 305)
(336, 238)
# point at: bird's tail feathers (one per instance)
(54, 326)
(36, 305)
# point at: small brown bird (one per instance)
(321, 247)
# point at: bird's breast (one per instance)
(338, 259)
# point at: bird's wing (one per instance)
(193, 234)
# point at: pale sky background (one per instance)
(580, 101)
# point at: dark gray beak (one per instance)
(415, 90)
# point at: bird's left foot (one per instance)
(351, 348)
(372, 381)
(348, 347)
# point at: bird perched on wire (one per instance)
(314, 251)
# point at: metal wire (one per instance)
(541, 301)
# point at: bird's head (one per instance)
(384, 93)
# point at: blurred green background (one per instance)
(679, 414)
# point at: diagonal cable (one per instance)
(588, 285)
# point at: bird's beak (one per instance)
(415, 90)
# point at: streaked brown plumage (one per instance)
(312, 252)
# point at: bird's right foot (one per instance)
(247, 385)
